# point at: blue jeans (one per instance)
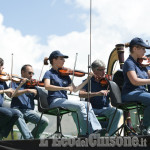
(144, 98)
(80, 108)
(109, 113)
(33, 117)
(8, 117)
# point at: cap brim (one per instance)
(146, 46)
(65, 56)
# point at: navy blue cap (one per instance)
(55, 54)
(138, 41)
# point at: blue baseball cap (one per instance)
(138, 41)
(55, 54)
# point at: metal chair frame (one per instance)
(43, 107)
(115, 95)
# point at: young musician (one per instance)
(23, 101)
(58, 85)
(99, 95)
(136, 78)
(8, 116)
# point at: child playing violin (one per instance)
(58, 86)
(8, 116)
(136, 77)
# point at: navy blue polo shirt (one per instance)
(57, 80)
(131, 65)
(24, 101)
(148, 86)
(97, 102)
(3, 86)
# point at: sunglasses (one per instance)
(101, 69)
(31, 73)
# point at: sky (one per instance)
(31, 29)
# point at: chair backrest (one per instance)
(42, 99)
(115, 94)
(118, 78)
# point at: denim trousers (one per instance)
(80, 108)
(27, 115)
(142, 97)
(8, 117)
(109, 113)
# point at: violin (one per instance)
(6, 77)
(104, 81)
(144, 61)
(66, 72)
(33, 82)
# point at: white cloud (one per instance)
(113, 22)
(25, 49)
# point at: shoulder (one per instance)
(129, 61)
(129, 64)
(48, 74)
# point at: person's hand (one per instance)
(23, 80)
(103, 93)
(90, 75)
(70, 88)
(10, 91)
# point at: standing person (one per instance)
(23, 101)
(99, 96)
(8, 116)
(58, 86)
(136, 78)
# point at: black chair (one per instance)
(43, 107)
(115, 95)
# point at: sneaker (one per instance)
(102, 132)
(146, 131)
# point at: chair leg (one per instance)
(12, 134)
(137, 108)
(58, 124)
(125, 127)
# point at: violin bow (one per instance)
(16, 90)
(74, 68)
(21, 83)
(11, 70)
(44, 63)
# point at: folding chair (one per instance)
(115, 95)
(43, 107)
